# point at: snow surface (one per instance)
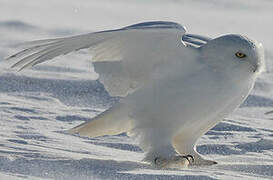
(38, 105)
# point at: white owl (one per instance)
(174, 86)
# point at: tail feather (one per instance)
(111, 122)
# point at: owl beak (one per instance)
(256, 68)
(259, 67)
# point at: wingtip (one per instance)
(14, 66)
(11, 57)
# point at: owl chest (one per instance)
(205, 92)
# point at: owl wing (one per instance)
(123, 58)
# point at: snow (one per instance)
(38, 105)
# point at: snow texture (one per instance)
(35, 112)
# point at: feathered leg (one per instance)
(160, 152)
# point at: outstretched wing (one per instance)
(123, 58)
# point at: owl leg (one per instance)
(184, 143)
(178, 161)
(166, 157)
(157, 142)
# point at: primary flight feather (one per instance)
(175, 86)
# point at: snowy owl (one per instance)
(174, 86)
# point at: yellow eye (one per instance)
(240, 55)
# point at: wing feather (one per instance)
(135, 43)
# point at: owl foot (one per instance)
(174, 162)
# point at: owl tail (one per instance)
(113, 121)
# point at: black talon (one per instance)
(191, 157)
(186, 157)
(155, 160)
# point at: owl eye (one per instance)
(240, 55)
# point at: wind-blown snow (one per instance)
(38, 105)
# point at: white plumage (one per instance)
(175, 86)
